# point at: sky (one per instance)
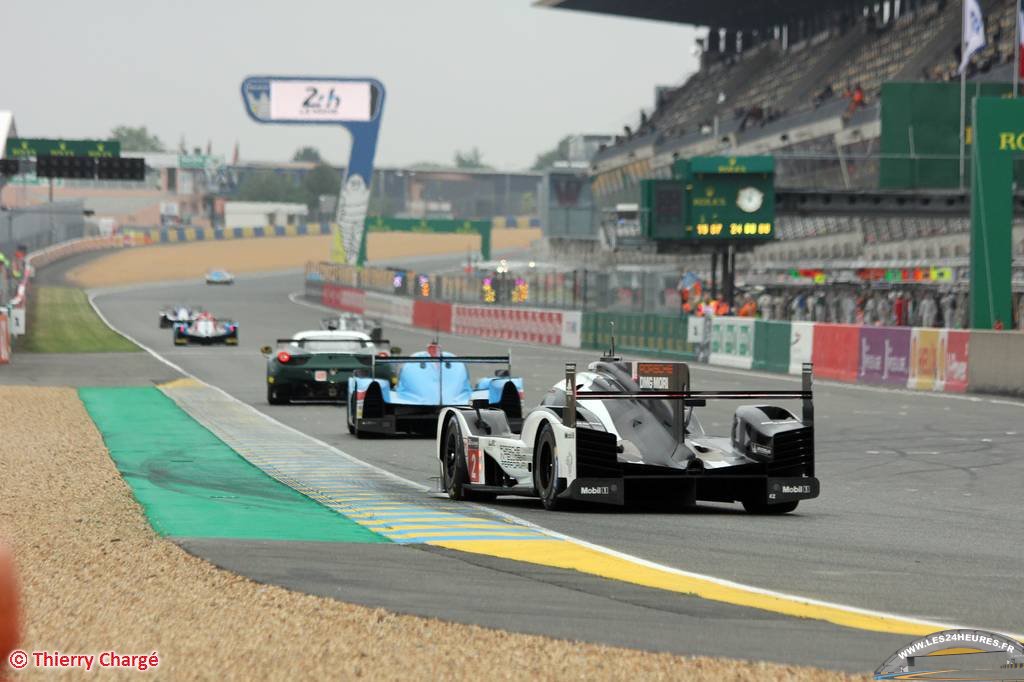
(500, 75)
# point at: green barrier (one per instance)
(771, 346)
(645, 333)
(588, 331)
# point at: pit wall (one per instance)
(941, 360)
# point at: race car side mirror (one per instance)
(266, 350)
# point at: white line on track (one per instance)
(511, 518)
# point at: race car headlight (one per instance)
(759, 449)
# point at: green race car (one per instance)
(316, 365)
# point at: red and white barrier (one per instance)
(510, 324)
(344, 298)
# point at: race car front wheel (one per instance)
(545, 470)
(454, 472)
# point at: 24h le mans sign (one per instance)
(352, 103)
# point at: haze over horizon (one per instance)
(506, 77)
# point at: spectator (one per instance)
(899, 310)
(749, 307)
(929, 311)
(764, 305)
(948, 309)
(856, 101)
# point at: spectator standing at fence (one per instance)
(1020, 313)
(948, 304)
(929, 311)
(883, 310)
(764, 306)
(749, 307)
(899, 310)
(870, 309)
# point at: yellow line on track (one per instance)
(568, 555)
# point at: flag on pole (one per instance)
(974, 32)
(1020, 43)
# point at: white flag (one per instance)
(974, 31)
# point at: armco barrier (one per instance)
(389, 308)
(732, 342)
(995, 362)
(343, 298)
(771, 346)
(884, 355)
(432, 315)
(801, 345)
(836, 351)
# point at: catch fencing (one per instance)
(924, 359)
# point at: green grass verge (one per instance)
(60, 320)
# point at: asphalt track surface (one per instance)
(918, 516)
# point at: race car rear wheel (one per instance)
(454, 471)
(275, 396)
(765, 509)
(545, 469)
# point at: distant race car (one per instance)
(206, 329)
(611, 436)
(425, 384)
(219, 277)
(353, 322)
(178, 313)
(316, 365)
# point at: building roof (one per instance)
(738, 14)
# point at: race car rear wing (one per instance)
(687, 397)
(464, 359)
(363, 342)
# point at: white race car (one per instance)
(172, 314)
(610, 435)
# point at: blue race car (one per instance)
(219, 277)
(424, 384)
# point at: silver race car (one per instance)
(616, 433)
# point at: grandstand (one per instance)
(779, 78)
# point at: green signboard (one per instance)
(199, 161)
(999, 139)
(921, 133)
(33, 147)
(441, 225)
(712, 199)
